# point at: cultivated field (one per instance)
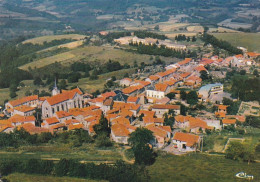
(86, 153)
(67, 56)
(72, 45)
(195, 28)
(91, 53)
(18, 177)
(251, 41)
(41, 40)
(222, 30)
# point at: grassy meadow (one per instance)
(41, 40)
(200, 168)
(18, 177)
(55, 152)
(251, 41)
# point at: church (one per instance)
(62, 101)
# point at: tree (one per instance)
(13, 94)
(62, 84)
(139, 141)
(194, 39)
(37, 81)
(94, 75)
(237, 150)
(103, 141)
(204, 75)
(183, 95)
(171, 95)
(102, 127)
(192, 98)
(157, 27)
(255, 72)
(169, 120)
(242, 72)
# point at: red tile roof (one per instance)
(229, 121)
(24, 108)
(32, 129)
(161, 87)
(120, 130)
(132, 89)
(21, 119)
(66, 95)
(132, 99)
(161, 106)
(52, 120)
(63, 114)
(186, 137)
(185, 61)
(75, 126)
(200, 68)
(153, 77)
(222, 107)
(23, 100)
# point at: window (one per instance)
(58, 108)
(52, 110)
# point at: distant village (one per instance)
(139, 103)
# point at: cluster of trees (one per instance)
(246, 89)
(169, 119)
(115, 35)
(182, 37)
(191, 97)
(163, 51)
(232, 106)
(239, 151)
(210, 39)
(120, 171)
(22, 137)
(253, 121)
(146, 34)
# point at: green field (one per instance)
(91, 53)
(17, 177)
(251, 41)
(200, 168)
(41, 40)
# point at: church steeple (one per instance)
(55, 90)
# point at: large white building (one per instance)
(210, 90)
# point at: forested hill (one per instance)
(41, 17)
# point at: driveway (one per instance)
(170, 149)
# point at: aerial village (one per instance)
(148, 102)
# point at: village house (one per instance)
(62, 116)
(133, 90)
(160, 90)
(186, 142)
(50, 122)
(62, 102)
(120, 133)
(162, 135)
(6, 126)
(228, 122)
(23, 110)
(161, 109)
(191, 124)
(31, 101)
(17, 120)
